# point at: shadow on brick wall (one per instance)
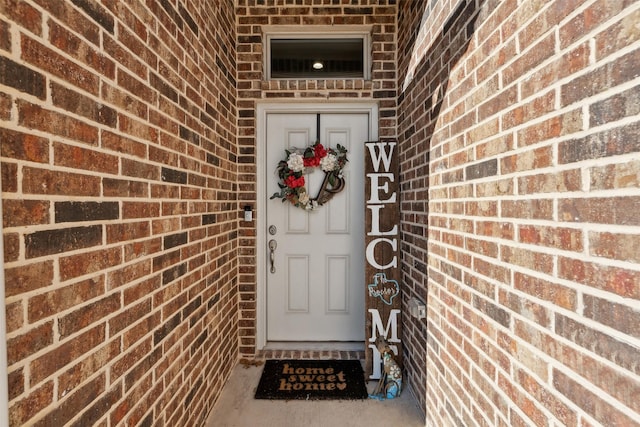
(419, 107)
(432, 74)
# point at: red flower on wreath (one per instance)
(319, 151)
(313, 158)
(293, 182)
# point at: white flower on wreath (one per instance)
(303, 198)
(329, 162)
(295, 162)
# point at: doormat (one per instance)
(312, 380)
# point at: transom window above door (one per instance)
(317, 56)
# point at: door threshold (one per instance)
(337, 350)
(315, 345)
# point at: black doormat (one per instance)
(312, 380)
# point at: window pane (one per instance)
(294, 58)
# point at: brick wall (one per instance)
(520, 120)
(119, 183)
(380, 17)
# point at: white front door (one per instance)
(315, 291)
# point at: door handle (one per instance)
(272, 254)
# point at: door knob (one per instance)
(272, 254)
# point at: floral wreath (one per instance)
(291, 174)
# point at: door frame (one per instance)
(262, 110)
(4, 369)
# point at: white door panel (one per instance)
(317, 291)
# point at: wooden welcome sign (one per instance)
(382, 271)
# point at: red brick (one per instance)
(48, 60)
(121, 144)
(540, 288)
(617, 246)
(25, 409)
(65, 353)
(533, 109)
(31, 342)
(74, 403)
(87, 367)
(18, 213)
(601, 210)
(82, 158)
(618, 280)
(525, 308)
(542, 50)
(127, 231)
(591, 402)
(9, 177)
(527, 258)
(5, 104)
(558, 408)
(89, 262)
(73, 18)
(141, 289)
(36, 117)
(607, 76)
(22, 146)
(137, 169)
(124, 100)
(559, 238)
(129, 359)
(88, 314)
(128, 317)
(128, 274)
(556, 126)
(131, 210)
(565, 181)
(78, 49)
(618, 175)
(40, 181)
(29, 17)
(590, 18)
(140, 330)
(49, 303)
(528, 406)
(11, 246)
(28, 278)
(14, 316)
(124, 188)
(569, 63)
(528, 160)
(491, 270)
(137, 88)
(618, 316)
(16, 383)
(617, 36)
(141, 248)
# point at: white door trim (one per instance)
(4, 388)
(262, 110)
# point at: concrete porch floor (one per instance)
(237, 408)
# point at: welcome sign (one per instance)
(382, 271)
